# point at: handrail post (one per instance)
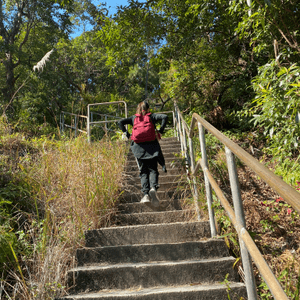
(239, 212)
(174, 124)
(60, 122)
(180, 133)
(187, 160)
(208, 191)
(177, 122)
(75, 126)
(177, 126)
(105, 126)
(184, 139)
(196, 195)
(63, 122)
(88, 129)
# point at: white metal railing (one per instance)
(89, 119)
(248, 248)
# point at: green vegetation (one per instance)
(236, 63)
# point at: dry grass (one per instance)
(80, 181)
(71, 187)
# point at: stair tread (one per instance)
(157, 290)
(150, 264)
(183, 211)
(134, 173)
(157, 245)
(139, 193)
(149, 225)
(164, 195)
(150, 233)
(211, 248)
(151, 274)
(135, 207)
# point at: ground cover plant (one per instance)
(52, 190)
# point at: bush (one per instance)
(276, 106)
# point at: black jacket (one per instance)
(146, 150)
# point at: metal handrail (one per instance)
(289, 194)
(89, 118)
(89, 123)
(75, 127)
(247, 245)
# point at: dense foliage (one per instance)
(207, 55)
(234, 62)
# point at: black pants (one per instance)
(148, 174)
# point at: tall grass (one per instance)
(71, 186)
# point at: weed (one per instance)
(226, 282)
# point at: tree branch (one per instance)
(3, 30)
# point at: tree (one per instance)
(206, 66)
(24, 26)
(271, 25)
(132, 40)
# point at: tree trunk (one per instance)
(8, 91)
(10, 78)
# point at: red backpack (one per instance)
(143, 129)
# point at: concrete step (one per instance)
(212, 248)
(148, 234)
(168, 160)
(137, 207)
(136, 196)
(167, 154)
(167, 143)
(163, 178)
(134, 171)
(171, 148)
(163, 186)
(154, 217)
(177, 165)
(169, 139)
(164, 144)
(146, 275)
(184, 292)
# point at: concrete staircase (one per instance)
(154, 253)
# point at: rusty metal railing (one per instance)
(248, 248)
(74, 122)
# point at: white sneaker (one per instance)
(154, 197)
(145, 199)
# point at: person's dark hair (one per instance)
(142, 108)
